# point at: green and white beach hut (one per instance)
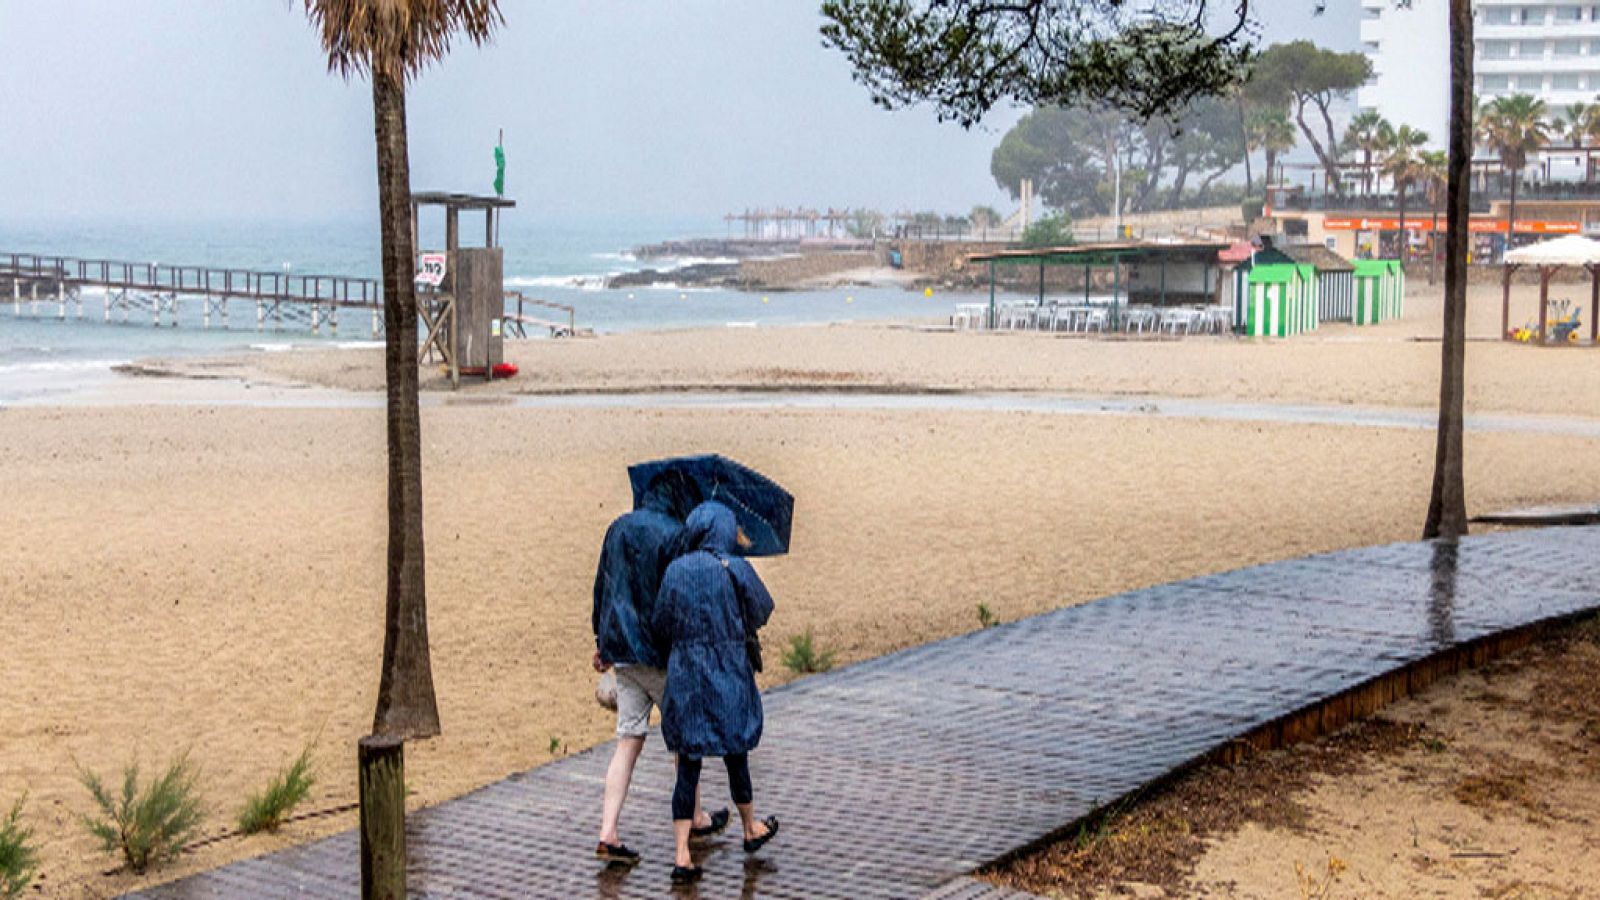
(1336, 288)
(1380, 293)
(1275, 299)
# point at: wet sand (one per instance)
(1392, 365)
(209, 577)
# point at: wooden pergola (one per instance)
(1112, 254)
(1549, 257)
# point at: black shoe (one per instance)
(686, 874)
(719, 821)
(616, 854)
(772, 831)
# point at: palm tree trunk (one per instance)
(1433, 245)
(1511, 216)
(1447, 507)
(406, 704)
(1400, 188)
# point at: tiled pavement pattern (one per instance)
(899, 776)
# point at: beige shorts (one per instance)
(638, 689)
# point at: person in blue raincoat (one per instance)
(635, 553)
(711, 603)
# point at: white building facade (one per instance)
(1550, 50)
(1410, 54)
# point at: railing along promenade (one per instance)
(155, 289)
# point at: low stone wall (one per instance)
(789, 271)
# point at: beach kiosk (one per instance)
(461, 291)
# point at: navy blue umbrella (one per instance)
(764, 509)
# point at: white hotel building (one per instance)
(1550, 50)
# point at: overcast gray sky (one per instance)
(203, 108)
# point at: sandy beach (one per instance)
(1391, 365)
(210, 578)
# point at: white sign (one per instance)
(430, 269)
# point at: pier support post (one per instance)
(333, 321)
(223, 306)
(77, 302)
(61, 301)
(316, 319)
(155, 310)
(381, 763)
(16, 297)
(205, 313)
(33, 299)
(374, 324)
(261, 315)
(172, 306)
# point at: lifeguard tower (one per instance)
(464, 306)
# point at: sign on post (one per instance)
(430, 269)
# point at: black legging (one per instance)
(689, 779)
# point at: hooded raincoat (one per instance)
(635, 553)
(710, 599)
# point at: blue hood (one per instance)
(711, 527)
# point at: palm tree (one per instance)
(1581, 126)
(391, 41)
(1433, 170)
(1402, 165)
(1447, 502)
(1270, 131)
(984, 218)
(1368, 133)
(1515, 127)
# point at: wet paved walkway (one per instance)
(897, 777)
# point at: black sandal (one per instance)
(616, 854)
(719, 821)
(751, 846)
(686, 874)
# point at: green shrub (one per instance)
(269, 809)
(18, 859)
(986, 616)
(149, 824)
(1051, 231)
(803, 656)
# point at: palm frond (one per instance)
(398, 38)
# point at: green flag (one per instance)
(499, 171)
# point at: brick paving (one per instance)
(897, 777)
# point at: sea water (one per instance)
(564, 262)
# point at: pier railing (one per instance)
(323, 290)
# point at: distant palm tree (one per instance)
(1433, 170)
(1514, 127)
(1402, 163)
(1368, 133)
(1270, 131)
(391, 41)
(984, 218)
(1581, 126)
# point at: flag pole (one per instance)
(499, 142)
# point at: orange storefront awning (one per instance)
(1425, 225)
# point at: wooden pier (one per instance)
(158, 290)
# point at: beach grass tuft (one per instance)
(150, 823)
(18, 858)
(803, 657)
(986, 616)
(268, 810)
